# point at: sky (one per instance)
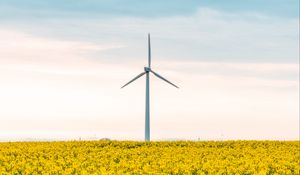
(62, 64)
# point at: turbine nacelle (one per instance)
(147, 69)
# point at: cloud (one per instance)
(207, 35)
(21, 46)
(58, 56)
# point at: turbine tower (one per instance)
(147, 71)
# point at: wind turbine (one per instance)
(147, 71)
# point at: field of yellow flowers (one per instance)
(128, 157)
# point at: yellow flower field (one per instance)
(128, 157)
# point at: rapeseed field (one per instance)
(131, 157)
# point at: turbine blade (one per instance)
(159, 76)
(138, 76)
(149, 51)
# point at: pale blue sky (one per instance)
(155, 8)
(62, 63)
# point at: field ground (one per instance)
(128, 157)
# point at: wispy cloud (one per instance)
(21, 46)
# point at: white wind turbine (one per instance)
(146, 71)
